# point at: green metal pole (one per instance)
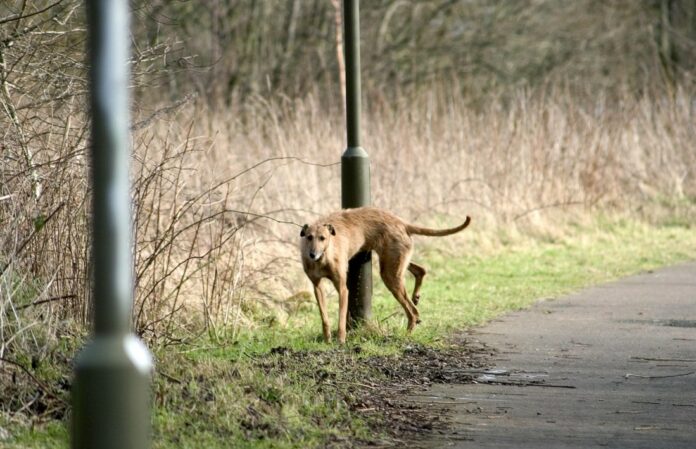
(355, 167)
(111, 392)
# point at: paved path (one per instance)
(613, 366)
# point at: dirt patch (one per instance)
(340, 397)
(376, 388)
(36, 388)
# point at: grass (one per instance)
(468, 291)
(247, 391)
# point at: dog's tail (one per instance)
(411, 229)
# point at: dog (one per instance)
(329, 243)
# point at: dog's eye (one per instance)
(322, 238)
(310, 237)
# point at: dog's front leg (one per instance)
(342, 289)
(321, 302)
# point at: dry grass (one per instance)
(524, 165)
(219, 197)
(434, 155)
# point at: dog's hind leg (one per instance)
(392, 270)
(321, 302)
(419, 273)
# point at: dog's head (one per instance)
(316, 239)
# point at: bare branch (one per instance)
(20, 16)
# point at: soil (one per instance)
(415, 371)
(379, 388)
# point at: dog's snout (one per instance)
(312, 255)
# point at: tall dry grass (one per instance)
(219, 198)
(522, 163)
(507, 162)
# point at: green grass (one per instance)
(467, 290)
(51, 435)
(220, 393)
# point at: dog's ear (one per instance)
(304, 230)
(331, 229)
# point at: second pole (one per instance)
(355, 167)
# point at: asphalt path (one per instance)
(613, 366)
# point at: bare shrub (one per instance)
(191, 239)
(45, 303)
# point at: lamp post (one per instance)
(355, 167)
(111, 391)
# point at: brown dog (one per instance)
(329, 243)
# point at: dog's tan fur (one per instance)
(329, 243)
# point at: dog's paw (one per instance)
(416, 298)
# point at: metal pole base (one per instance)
(359, 289)
(111, 394)
(355, 192)
(355, 178)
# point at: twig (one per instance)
(390, 316)
(547, 206)
(43, 386)
(28, 239)
(659, 377)
(526, 384)
(262, 216)
(360, 384)
(279, 158)
(163, 111)
(44, 301)
(20, 16)
(650, 359)
(169, 377)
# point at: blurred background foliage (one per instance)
(227, 49)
